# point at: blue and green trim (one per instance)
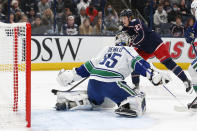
(126, 88)
(103, 73)
(134, 61)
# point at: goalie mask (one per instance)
(122, 39)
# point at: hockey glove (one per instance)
(158, 77)
(190, 34)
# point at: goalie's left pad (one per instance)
(74, 100)
(66, 77)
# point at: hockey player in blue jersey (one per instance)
(106, 74)
(149, 44)
(190, 35)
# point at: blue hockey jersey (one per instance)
(142, 37)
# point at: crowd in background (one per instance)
(73, 17)
(170, 17)
(94, 17)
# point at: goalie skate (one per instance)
(125, 111)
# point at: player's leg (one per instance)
(164, 57)
(95, 89)
(193, 73)
(131, 103)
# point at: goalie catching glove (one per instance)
(66, 77)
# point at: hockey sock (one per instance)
(180, 73)
(177, 70)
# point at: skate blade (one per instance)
(126, 114)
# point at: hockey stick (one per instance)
(181, 109)
(162, 85)
(194, 48)
(54, 91)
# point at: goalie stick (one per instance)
(54, 91)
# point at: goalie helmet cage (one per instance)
(15, 74)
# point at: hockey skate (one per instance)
(125, 111)
(130, 108)
(189, 87)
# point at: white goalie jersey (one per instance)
(114, 63)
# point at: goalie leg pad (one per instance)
(132, 106)
(75, 100)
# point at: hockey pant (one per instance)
(116, 91)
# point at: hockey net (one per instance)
(15, 75)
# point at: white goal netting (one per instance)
(15, 69)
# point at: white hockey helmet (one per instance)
(194, 7)
(122, 39)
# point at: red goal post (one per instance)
(15, 72)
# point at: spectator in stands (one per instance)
(174, 13)
(111, 26)
(111, 20)
(15, 6)
(160, 16)
(190, 22)
(18, 15)
(99, 16)
(47, 17)
(167, 7)
(91, 12)
(110, 13)
(60, 6)
(97, 4)
(37, 27)
(70, 28)
(98, 28)
(11, 18)
(31, 16)
(71, 5)
(62, 18)
(2, 16)
(175, 1)
(161, 2)
(43, 5)
(86, 28)
(83, 3)
(24, 18)
(66, 13)
(177, 29)
(81, 17)
(27, 5)
(183, 8)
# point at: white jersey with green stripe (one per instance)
(112, 64)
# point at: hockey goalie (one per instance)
(106, 74)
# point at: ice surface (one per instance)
(160, 115)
